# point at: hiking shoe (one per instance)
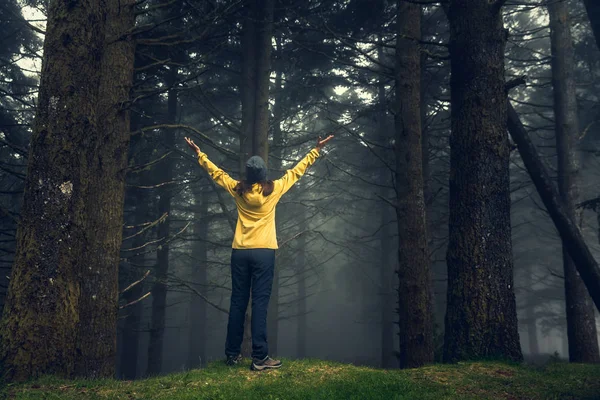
(266, 363)
(233, 360)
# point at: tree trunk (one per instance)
(301, 327)
(414, 290)
(532, 337)
(481, 316)
(198, 309)
(159, 290)
(581, 323)
(256, 68)
(248, 88)
(273, 312)
(593, 12)
(264, 34)
(386, 257)
(60, 315)
(567, 228)
(131, 325)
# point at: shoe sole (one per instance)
(255, 367)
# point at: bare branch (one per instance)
(135, 283)
(135, 301)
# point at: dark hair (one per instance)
(243, 187)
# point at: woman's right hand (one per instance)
(321, 143)
(193, 145)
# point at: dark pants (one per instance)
(250, 268)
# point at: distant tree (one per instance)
(165, 177)
(481, 317)
(198, 307)
(581, 321)
(60, 315)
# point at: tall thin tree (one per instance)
(159, 290)
(581, 321)
(414, 290)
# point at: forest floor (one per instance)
(315, 379)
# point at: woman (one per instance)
(253, 248)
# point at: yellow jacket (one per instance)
(256, 213)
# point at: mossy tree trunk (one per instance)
(414, 290)
(96, 348)
(61, 311)
(581, 321)
(481, 316)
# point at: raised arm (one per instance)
(291, 176)
(220, 177)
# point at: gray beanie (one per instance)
(256, 170)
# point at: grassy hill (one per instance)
(315, 379)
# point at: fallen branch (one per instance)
(568, 230)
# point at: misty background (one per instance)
(332, 73)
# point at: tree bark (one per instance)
(198, 309)
(386, 263)
(273, 312)
(481, 316)
(532, 335)
(567, 228)
(581, 322)
(256, 68)
(414, 290)
(64, 284)
(593, 12)
(301, 328)
(159, 290)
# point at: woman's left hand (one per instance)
(193, 145)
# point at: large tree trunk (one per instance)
(567, 228)
(198, 308)
(581, 323)
(159, 290)
(256, 68)
(414, 290)
(481, 316)
(96, 346)
(60, 315)
(593, 11)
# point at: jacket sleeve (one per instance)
(220, 177)
(291, 176)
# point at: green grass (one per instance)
(315, 379)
